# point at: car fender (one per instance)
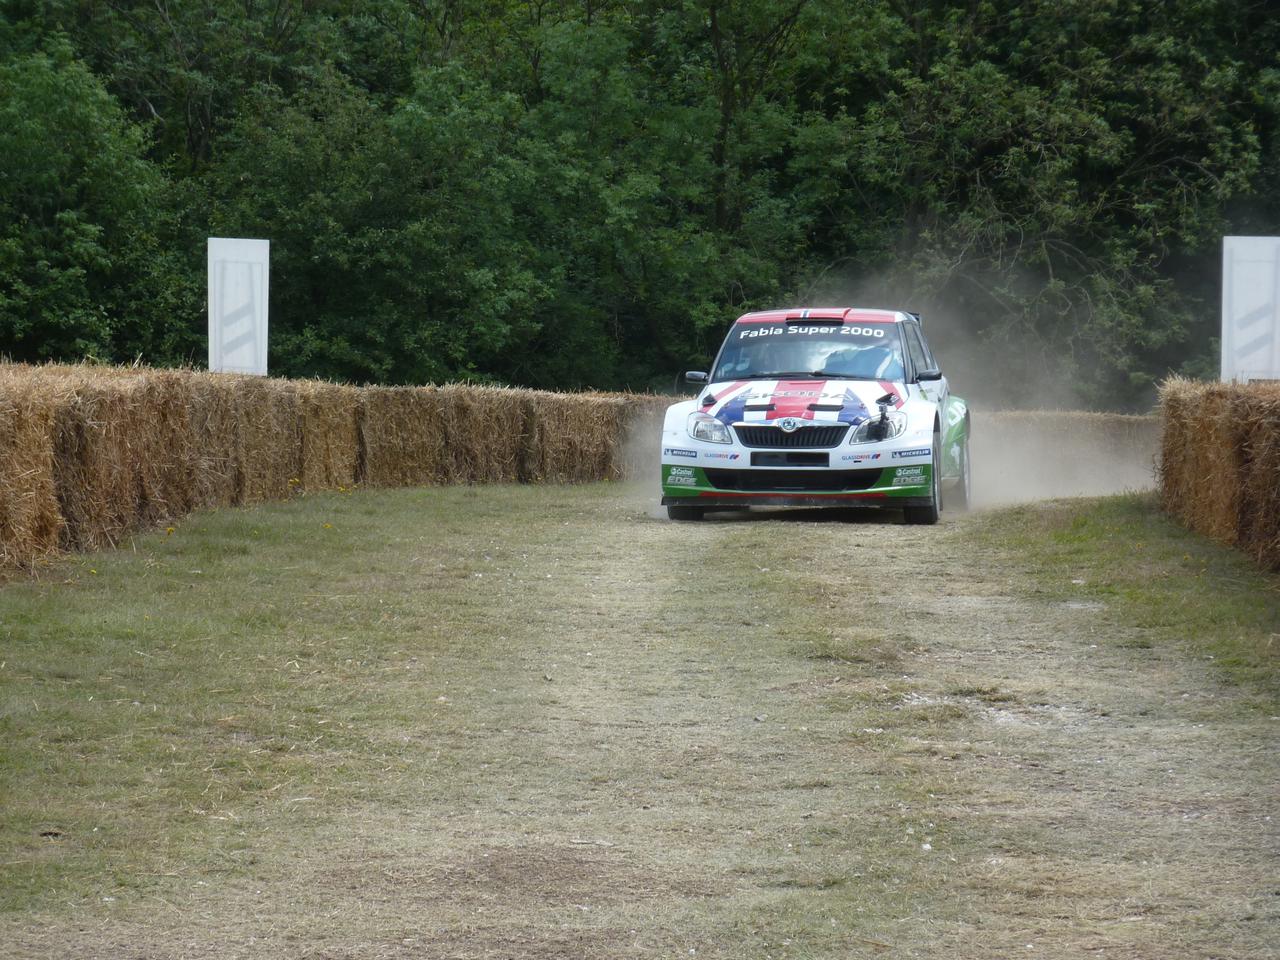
(675, 425)
(955, 435)
(922, 418)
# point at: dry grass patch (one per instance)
(376, 726)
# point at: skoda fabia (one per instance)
(819, 407)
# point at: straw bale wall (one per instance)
(89, 453)
(1220, 462)
(402, 437)
(329, 419)
(270, 445)
(165, 464)
(484, 434)
(96, 450)
(31, 524)
(215, 439)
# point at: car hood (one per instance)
(822, 401)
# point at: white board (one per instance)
(1250, 308)
(238, 281)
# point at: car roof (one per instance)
(846, 314)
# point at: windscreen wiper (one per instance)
(836, 375)
(786, 375)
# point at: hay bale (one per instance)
(529, 456)
(31, 525)
(246, 438)
(484, 433)
(1216, 463)
(1257, 408)
(270, 447)
(166, 467)
(1177, 404)
(1220, 462)
(586, 437)
(328, 414)
(402, 437)
(213, 415)
(97, 433)
(103, 451)
(572, 434)
(538, 420)
(613, 412)
(1202, 457)
(119, 448)
(121, 451)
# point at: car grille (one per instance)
(757, 435)
(790, 481)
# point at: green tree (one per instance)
(1027, 170)
(83, 270)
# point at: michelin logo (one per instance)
(904, 454)
(677, 452)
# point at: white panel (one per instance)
(238, 279)
(1250, 308)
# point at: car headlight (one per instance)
(875, 430)
(705, 427)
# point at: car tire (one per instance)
(680, 511)
(929, 514)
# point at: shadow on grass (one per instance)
(856, 515)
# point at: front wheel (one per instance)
(929, 513)
(680, 511)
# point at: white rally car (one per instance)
(819, 407)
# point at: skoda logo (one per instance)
(788, 424)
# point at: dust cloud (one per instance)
(641, 462)
(1021, 457)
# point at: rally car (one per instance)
(819, 407)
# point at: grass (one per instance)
(156, 696)
(538, 722)
(1174, 586)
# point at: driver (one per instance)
(868, 363)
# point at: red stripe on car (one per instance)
(791, 398)
(736, 385)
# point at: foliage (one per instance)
(570, 194)
(82, 270)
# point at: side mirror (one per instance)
(931, 373)
(700, 376)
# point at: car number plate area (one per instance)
(788, 458)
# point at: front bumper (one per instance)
(899, 485)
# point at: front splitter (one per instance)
(868, 500)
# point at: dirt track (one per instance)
(605, 735)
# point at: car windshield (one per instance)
(760, 350)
